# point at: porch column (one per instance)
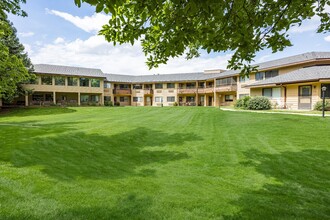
(214, 95)
(78, 98)
(26, 99)
(205, 101)
(102, 99)
(54, 98)
(197, 101)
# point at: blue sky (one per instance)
(58, 32)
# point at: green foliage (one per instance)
(117, 103)
(13, 6)
(175, 104)
(242, 102)
(259, 103)
(319, 105)
(173, 28)
(15, 66)
(108, 103)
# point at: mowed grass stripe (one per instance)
(162, 163)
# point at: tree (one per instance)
(171, 28)
(15, 66)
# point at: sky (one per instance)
(58, 32)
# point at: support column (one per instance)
(102, 99)
(78, 98)
(54, 98)
(197, 101)
(214, 94)
(205, 100)
(26, 99)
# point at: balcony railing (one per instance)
(148, 91)
(226, 88)
(207, 89)
(187, 90)
(122, 91)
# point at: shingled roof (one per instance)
(307, 74)
(67, 70)
(176, 77)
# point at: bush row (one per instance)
(253, 103)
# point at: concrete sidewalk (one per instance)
(268, 112)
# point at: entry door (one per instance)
(305, 97)
(148, 101)
(210, 100)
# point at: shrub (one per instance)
(175, 104)
(259, 103)
(108, 103)
(318, 105)
(242, 102)
(117, 103)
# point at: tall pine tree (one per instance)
(15, 65)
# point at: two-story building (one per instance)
(293, 83)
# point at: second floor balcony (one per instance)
(148, 91)
(187, 90)
(226, 88)
(207, 89)
(122, 91)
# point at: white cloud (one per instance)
(327, 38)
(95, 52)
(26, 34)
(90, 24)
(28, 49)
(59, 40)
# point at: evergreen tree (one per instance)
(15, 65)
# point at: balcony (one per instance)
(122, 91)
(148, 91)
(226, 88)
(208, 89)
(187, 90)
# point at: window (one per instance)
(271, 92)
(190, 98)
(124, 86)
(137, 86)
(267, 92)
(158, 85)
(72, 81)
(229, 98)
(327, 92)
(226, 81)
(95, 82)
(191, 85)
(170, 98)
(305, 90)
(107, 98)
(123, 99)
(48, 97)
(137, 99)
(37, 97)
(84, 98)
(59, 80)
(158, 99)
(46, 80)
(170, 85)
(271, 74)
(243, 95)
(243, 79)
(107, 85)
(95, 98)
(201, 84)
(84, 82)
(147, 86)
(260, 76)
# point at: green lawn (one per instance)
(163, 163)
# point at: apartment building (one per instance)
(293, 83)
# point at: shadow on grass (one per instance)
(22, 112)
(63, 153)
(131, 206)
(301, 189)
